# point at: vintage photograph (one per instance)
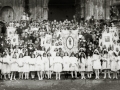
(59, 44)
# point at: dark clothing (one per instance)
(19, 31)
(3, 29)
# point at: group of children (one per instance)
(46, 64)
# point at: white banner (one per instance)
(15, 40)
(70, 41)
(10, 32)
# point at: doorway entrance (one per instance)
(61, 10)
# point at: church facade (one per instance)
(39, 9)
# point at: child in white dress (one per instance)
(66, 64)
(5, 66)
(114, 63)
(82, 63)
(106, 64)
(118, 64)
(58, 66)
(96, 63)
(46, 65)
(14, 66)
(39, 67)
(73, 65)
(26, 59)
(50, 59)
(20, 66)
(32, 66)
(89, 65)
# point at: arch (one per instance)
(7, 13)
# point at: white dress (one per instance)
(58, 64)
(89, 64)
(39, 64)
(106, 64)
(32, 64)
(51, 59)
(118, 64)
(20, 65)
(66, 63)
(96, 62)
(73, 64)
(46, 63)
(114, 64)
(14, 65)
(83, 64)
(6, 65)
(26, 63)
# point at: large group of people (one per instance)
(31, 56)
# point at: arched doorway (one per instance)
(7, 13)
(61, 9)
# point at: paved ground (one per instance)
(61, 85)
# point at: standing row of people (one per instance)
(46, 64)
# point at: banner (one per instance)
(15, 40)
(10, 32)
(70, 41)
(48, 41)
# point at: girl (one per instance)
(82, 63)
(66, 64)
(32, 66)
(96, 63)
(26, 59)
(89, 65)
(57, 66)
(114, 63)
(118, 63)
(106, 64)
(14, 67)
(50, 59)
(39, 67)
(20, 66)
(46, 65)
(73, 65)
(4, 66)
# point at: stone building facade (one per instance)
(38, 9)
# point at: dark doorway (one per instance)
(61, 9)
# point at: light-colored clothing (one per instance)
(58, 64)
(82, 65)
(114, 64)
(20, 65)
(14, 65)
(46, 63)
(89, 64)
(66, 63)
(39, 64)
(5, 67)
(26, 63)
(96, 62)
(32, 64)
(73, 64)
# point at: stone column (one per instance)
(45, 9)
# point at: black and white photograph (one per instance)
(59, 44)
